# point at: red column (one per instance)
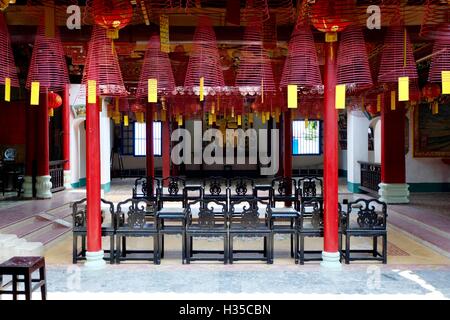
(31, 139)
(93, 176)
(166, 149)
(43, 156)
(287, 126)
(331, 156)
(66, 127)
(150, 154)
(393, 143)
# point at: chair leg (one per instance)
(340, 247)
(124, 246)
(14, 286)
(302, 249)
(375, 246)
(384, 249)
(28, 286)
(162, 246)
(183, 247)
(83, 246)
(118, 253)
(292, 239)
(296, 247)
(271, 237)
(75, 249)
(44, 286)
(230, 252)
(191, 250)
(347, 249)
(111, 249)
(188, 248)
(156, 252)
(225, 249)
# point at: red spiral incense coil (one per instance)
(255, 74)
(352, 61)
(7, 65)
(156, 66)
(48, 63)
(102, 65)
(440, 61)
(332, 15)
(302, 66)
(397, 59)
(436, 20)
(204, 60)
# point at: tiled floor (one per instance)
(414, 269)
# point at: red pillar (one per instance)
(150, 153)
(30, 152)
(43, 161)
(166, 149)
(66, 127)
(287, 126)
(393, 144)
(93, 176)
(331, 156)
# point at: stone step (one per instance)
(27, 226)
(48, 233)
(12, 246)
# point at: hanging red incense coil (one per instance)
(255, 10)
(440, 61)
(397, 59)
(283, 10)
(352, 60)
(7, 65)
(156, 66)
(436, 20)
(302, 66)
(102, 65)
(204, 61)
(255, 74)
(48, 63)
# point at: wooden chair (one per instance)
(250, 218)
(364, 219)
(174, 191)
(210, 222)
(310, 187)
(146, 188)
(240, 188)
(79, 222)
(215, 188)
(137, 218)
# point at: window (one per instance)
(140, 138)
(306, 137)
(133, 139)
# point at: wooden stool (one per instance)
(24, 266)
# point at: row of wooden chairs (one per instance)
(245, 217)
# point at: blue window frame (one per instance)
(307, 137)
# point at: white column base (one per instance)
(330, 260)
(394, 192)
(94, 260)
(43, 187)
(67, 179)
(27, 187)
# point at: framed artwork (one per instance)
(431, 132)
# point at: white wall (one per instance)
(424, 170)
(357, 145)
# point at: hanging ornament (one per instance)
(431, 91)
(54, 101)
(112, 15)
(332, 15)
(4, 4)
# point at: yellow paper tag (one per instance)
(125, 121)
(250, 118)
(435, 108)
(92, 91)
(445, 82)
(202, 88)
(152, 90)
(164, 33)
(292, 96)
(331, 37)
(34, 93)
(403, 89)
(379, 103)
(393, 100)
(340, 96)
(180, 120)
(8, 89)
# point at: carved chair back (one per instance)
(137, 213)
(370, 214)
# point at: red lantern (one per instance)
(370, 108)
(332, 15)
(431, 91)
(54, 100)
(112, 15)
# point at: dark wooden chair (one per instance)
(206, 218)
(2, 181)
(215, 188)
(250, 218)
(24, 267)
(137, 218)
(174, 192)
(79, 221)
(241, 187)
(364, 219)
(310, 187)
(284, 190)
(146, 188)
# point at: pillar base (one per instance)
(67, 179)
(394, 192)
(330, 260)
(27, 187)
(94, 260)
(43, 187)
